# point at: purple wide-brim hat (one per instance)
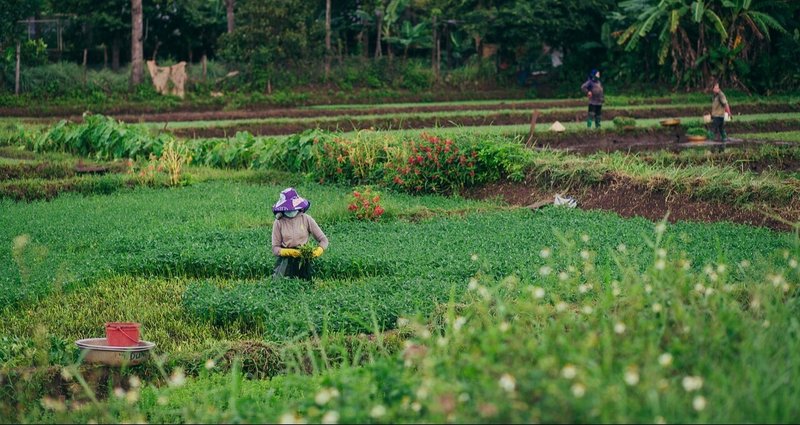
(290, 201)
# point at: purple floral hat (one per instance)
(290, 201)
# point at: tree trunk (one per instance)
(155, 50)
(16, 70)
(204, 62)
(327, 39)
(229, 4)
(115, 54)
(85, 60)
(137, 47)
(433, 49)
(105, 56)
(379, 22)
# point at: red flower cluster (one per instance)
(365, 205)
(433, 165)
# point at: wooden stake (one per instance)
(534, 118)
(16, 71)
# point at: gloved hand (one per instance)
(318, 251)
(290, 252)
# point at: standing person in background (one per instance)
(290, 231)
(593, 88)
(719, 108)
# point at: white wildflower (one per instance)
(619, 328)
(656, 308)
(291, 418)
(665, 359)
(585, 238)
(473, 284)
(699, 403)
(569, 371)
(330, 417)
(585, 254)
(578, 390)
(377, 411)
(323, 396)
(544, 253)
(631, 377)
(563, 276)
(545, 270)
(692, 383)
(507, 382)
(178, 378)
(210, 364)
(660, 264)
(622, 248)
(459, 322)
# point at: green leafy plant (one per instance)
(621, 122)
(697, 131)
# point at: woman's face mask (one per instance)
(291, 214)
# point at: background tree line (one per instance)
(667, 44)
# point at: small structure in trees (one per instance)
(168, 79)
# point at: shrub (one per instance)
(621, 122)
(697, 131)
(365, 205)
(432, 165)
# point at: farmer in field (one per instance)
(593, 89)
(719, 107)
(290, 231)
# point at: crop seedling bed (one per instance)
(479, 119)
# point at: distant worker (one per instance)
(719, 107)
(593, 88)
(290, 231)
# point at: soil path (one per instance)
(629, 199)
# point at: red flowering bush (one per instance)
(365, 205)
(431, 165)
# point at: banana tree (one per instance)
(390, 17)
(748, 28)
(411, 36)
(683, 28)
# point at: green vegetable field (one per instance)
(670, 294)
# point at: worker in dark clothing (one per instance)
(593, 89)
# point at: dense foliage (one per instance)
(402, 44)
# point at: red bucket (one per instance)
(122, 334)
